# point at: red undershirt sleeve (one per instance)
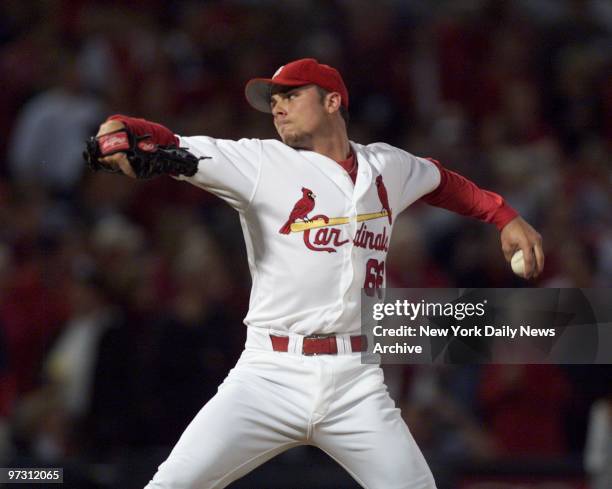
(160, 135)
(458, 194)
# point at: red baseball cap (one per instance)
(295, 74)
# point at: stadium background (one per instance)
(121, 302)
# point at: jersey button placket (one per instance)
(347, 259)
(351, 252)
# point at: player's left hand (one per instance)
(519, 235)
(118, 150)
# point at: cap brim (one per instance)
(258, 91)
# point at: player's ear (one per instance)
(333, 101)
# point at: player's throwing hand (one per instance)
(519, 235)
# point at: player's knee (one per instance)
(398, 471)
(402, 479)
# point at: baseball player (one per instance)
(317, 211)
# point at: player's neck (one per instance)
(334, 144)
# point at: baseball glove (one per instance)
(146, 158)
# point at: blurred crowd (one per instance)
(121, 302)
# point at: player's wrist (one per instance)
(504, 216)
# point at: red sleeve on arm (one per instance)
(160, 135)
(458, 194)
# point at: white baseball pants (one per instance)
(272, 401)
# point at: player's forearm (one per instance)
(458, 194)
(159, 134)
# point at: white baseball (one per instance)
(518, 263)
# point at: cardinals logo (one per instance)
(326, 233)
(382, 195)
(300, 210)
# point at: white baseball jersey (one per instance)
(309, 280)
(314, 240)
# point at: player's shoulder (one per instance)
(384, 151)
(275, 147)
(275, 144)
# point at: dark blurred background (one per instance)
(121, 302)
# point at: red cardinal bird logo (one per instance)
(382, 195)
(300, 210)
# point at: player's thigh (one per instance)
(372, 442)
(242, 426)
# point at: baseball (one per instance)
(518, 263)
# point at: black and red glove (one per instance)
(146, 158)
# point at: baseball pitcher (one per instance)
(316, 211)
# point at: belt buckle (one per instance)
(315, 337)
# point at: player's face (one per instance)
(299, 115)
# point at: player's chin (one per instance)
(294, 140)
(289, 139)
